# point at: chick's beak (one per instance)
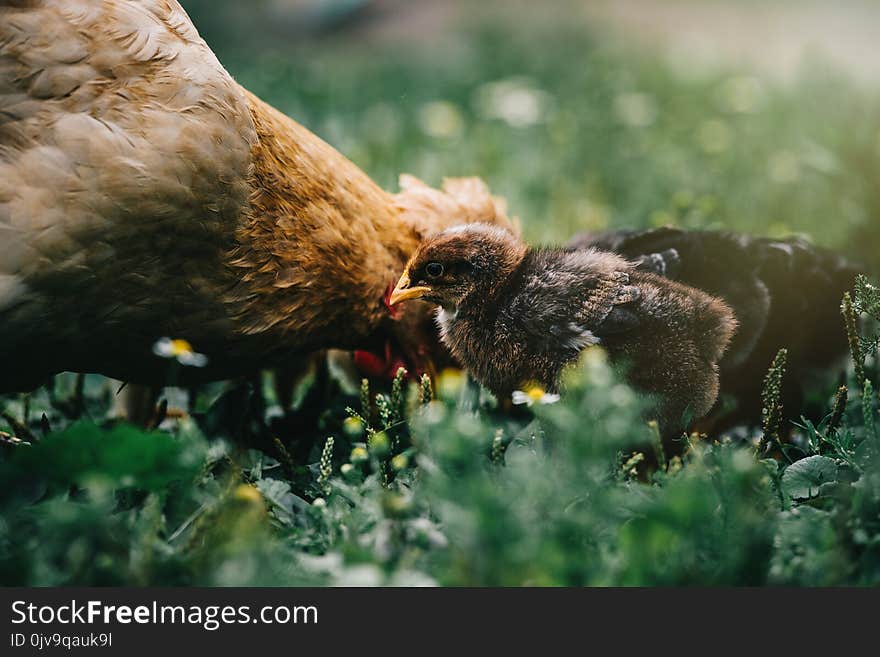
(403, 292)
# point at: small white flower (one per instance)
(181, 351)
(714, 136)
(784, 167)
(516, 101)
(741, 94)
(532, 395)
(635, 109)
(441, 119)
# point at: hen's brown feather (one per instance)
(144, 193)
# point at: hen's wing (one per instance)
(121, 137)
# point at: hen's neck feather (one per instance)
(321, 242)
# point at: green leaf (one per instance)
(802, 479)
(806, 552)
(123, 456)
(284, 503)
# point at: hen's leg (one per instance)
(137, 404)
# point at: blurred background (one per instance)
(761, 116)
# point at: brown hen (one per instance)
(144, 193)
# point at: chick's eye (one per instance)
(434, 269)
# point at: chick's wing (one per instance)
(573, 307)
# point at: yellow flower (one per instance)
(379, 443)
(247, 493)
(533, 394)
(450, 383)
(396, 505)
(352, 427)
(359, 455)
(180, 350)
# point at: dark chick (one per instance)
(784, 292)
(513, 316)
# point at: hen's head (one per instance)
(457, 262)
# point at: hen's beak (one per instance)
(403, 292)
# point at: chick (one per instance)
(513, 315)
(773, 285)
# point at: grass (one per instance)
(578, 134)
(412, 485)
